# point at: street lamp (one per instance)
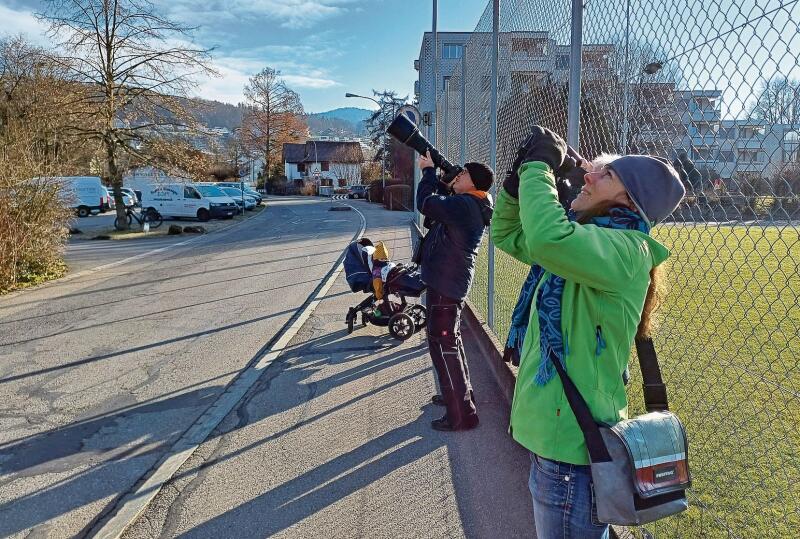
(383, 159)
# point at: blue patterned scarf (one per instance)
(548, 303)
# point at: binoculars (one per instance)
(404, 130)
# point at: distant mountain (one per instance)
(215, 113)
(349, 114)
(341, 122)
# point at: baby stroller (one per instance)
(401, 281)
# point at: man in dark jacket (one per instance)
(457, 216)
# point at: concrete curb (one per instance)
(492, 351)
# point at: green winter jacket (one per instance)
(607, 273)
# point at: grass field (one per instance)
(729, 348)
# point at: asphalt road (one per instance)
(94, 222)
(99, 374)
(102, 372)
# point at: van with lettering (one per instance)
(84, 194)
(176, 200)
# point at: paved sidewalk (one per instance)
(335, 441)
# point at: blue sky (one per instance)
(323, 48)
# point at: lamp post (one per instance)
(383, 124)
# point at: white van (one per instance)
(222, 206)
(176, 200)
(84, 194)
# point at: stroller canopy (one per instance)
(356, 267)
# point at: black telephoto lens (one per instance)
(404, 130)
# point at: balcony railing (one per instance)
(707, 139)
(755, 143)
(705, 115)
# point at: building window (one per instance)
(562, 61)
(454, 84)
(451, 51)
(727, 156)
(326, 166)
(751, 156)
(525, 46)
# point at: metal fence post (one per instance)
(626, 89)
(493, 146)
(463, 153)
(445, 144)
(434, 119)
(574, 103)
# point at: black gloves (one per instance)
(545, 146)
(511, 183)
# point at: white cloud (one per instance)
(235, 72)
(227, 88)
(298, 64)
(303, 81)
(293, 14)
(23, 22)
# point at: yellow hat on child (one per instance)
(381, 252)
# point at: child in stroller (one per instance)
(368, 269)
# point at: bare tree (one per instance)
(36, 97)
(346, 164)
(136, 64)
(778, 102)
(274, 116)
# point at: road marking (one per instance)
(130, 506)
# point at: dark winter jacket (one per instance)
(456, 225)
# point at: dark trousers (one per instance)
(448, 356)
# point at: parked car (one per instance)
(247, 190)
(176, 200)
(357, 191)
(84, 194)
(236, 195)
(131, 193)
(222, 206)
(128, 200)
(109, 203)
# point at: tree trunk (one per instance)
(116, 183)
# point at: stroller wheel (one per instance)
(419, 314)
(401, 326)
(351, 318)
(363, 320)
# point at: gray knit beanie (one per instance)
(652, 183)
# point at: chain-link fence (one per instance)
(712, 86)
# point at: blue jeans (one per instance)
(563, 501)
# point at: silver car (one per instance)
(236, 194)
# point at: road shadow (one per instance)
(104, 455)
(486, 468)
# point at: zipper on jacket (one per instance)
(601, 342)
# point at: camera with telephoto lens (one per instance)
(404, 130)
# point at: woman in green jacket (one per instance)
(590, 283)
